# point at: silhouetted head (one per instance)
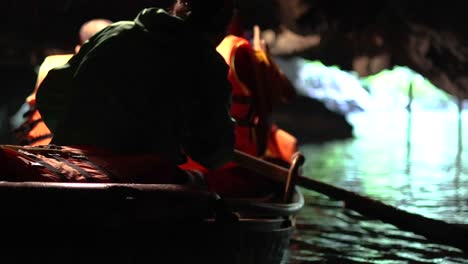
(211, 17)
(89, 28)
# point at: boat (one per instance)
(70, 222)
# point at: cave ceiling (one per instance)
(431, 37)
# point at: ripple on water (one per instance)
(424, 172)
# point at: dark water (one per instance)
(417, 162)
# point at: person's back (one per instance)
(29, 128)
(87, 30)
(149, 86)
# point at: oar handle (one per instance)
(267, 169)
(437, 230)
(272, 171)
(293, 174)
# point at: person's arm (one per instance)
(282, 90)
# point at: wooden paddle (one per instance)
(436, 230)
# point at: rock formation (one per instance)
(368, 36)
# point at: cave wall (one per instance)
(368, 36)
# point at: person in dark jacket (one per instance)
(152, 86)
(29, 129)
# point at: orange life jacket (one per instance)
(34, 131)
(254, 132)
(243, 106)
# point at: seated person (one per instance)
(30, 128)
(258, 84)
(129, 94)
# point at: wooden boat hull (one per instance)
(131, 223)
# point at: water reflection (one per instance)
(416, 161)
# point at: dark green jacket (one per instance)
(148, 86)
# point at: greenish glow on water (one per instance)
(416, 161)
